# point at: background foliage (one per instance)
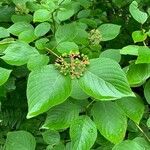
(74, 75)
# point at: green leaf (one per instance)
(137, 74)
(147, 92)
(4, 33)
(142, 142)
(109, 31)
(83, 133)
(18, 53)
(148, 122)
(139, 36)
(65, 13)
(112, 54)
(77, 92)
(20, 2)
(138, 15)
(19, 27)
(133, 107)
(37, 61)
(46, 88)
(143, 55)
(66, 32)
(41, 43)
(67, 47)
(42, 29)
(128, 144)
(105, 80)
(4, 75)
(130, 50)
(25, 17)
(20, 140)
(110, 121)
(27, 36)
(61, 116)
(51, 137)
(41, 15)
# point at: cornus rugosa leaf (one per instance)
(4, 75)
(20, 140)
(109, 31)
(61, 116)
(46, 88)
(138, 15)
(147, 91)
(110, 121)
(83, 133)
(104, 80)
(133, 107)
(141, 75)
(18, 53)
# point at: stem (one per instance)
(89, 104)
(143, 132)
(54, 24)
(144, 43)
(49, 50)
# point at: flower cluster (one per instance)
(73, 64)
(95, 37)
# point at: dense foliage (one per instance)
(74, 75)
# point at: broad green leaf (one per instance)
(128, 144)
(19, 27)
(77, 92)
(18, 53)
(20, 140)
(41, 15)
(4, 33)
(46, 88)
(41, 43)
(27, 36)
(109, 31)
(112, 54)
(66, 32)
(137, 74)
(81, 37)
(20, 2)
(148, 122)
(133, 107)
(5, 13)
(4, 75)
(37, 61)
(83, 133)
(42, 29)
(110, 121)
(147, 91)
(130, 50)
(61, 116)
(51, 137)
(143, 55)
(25, 17)
(65, 13)
(142, 142)
(139, 36)
(105, 80)
(138, 15)
(84, 13)
(67, 47)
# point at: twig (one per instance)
(143, 132)
(49, 50)
(90, 104)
